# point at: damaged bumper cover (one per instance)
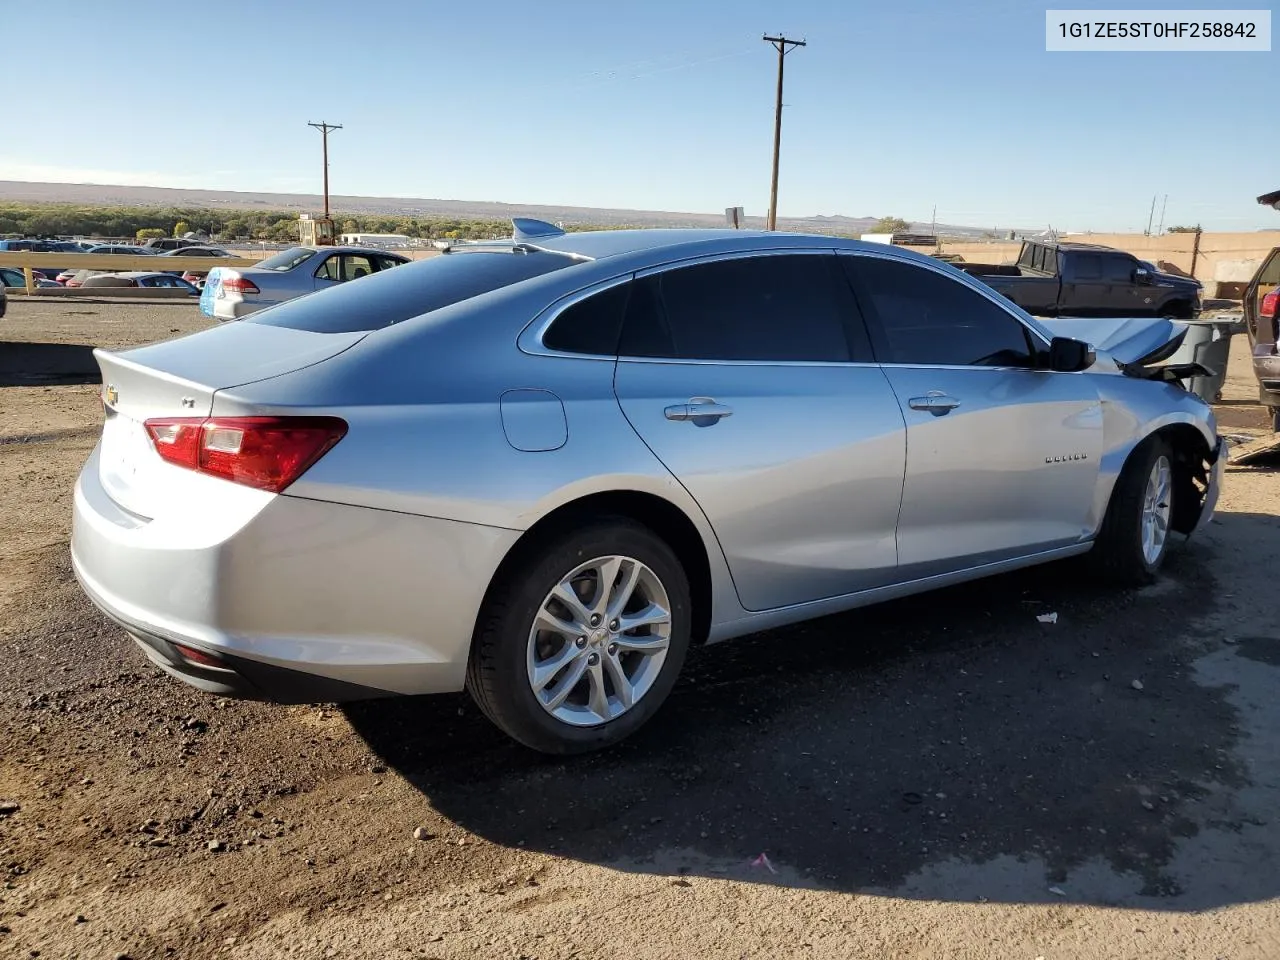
(1214, 469)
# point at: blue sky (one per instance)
(892, 108)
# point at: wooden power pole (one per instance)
(781, 44)
(324, 129)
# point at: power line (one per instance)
(780, 44)
(324, 129)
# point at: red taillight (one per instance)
(1268, 307)
(264, 452)
(238, 284)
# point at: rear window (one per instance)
(285, 259)
(393, 296)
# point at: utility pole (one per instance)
(1163, 204)
(324, 129)
(1152, 214)
(780, 44)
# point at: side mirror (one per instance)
(1142, 275)
(1068, 356)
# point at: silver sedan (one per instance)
(233, 292)
(541, 471)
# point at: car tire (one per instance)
(509, 656)
(1122, 552)
(1275, 418)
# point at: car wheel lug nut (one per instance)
(595, 619)
(613, 649)
(593, 659)
(613, 624)
(582, 641)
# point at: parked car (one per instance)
(138, 278)
(233, 292)
(121, 249)
(194, 276)
(74, 278)
(543, 472)
(1086, 280)
(159, 244)
(33, 245)
(13, 277)
(1261, 322)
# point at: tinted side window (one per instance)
(923, 317)
(591, 325)
(1118, 269)
(768, 308)
(1088, 266)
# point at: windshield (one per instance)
(392, 296)
(286, 259)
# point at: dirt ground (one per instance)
(944, 777)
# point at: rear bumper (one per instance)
(303, 600)
(239, 677)
(225, 308)
(1267, 369)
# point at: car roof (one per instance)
(1078, 245)
(139, 274)
(342, 249)
(665, 245)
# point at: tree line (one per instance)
(71, 220)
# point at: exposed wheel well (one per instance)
(661, 516)
(1190, 473)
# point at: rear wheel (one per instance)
(581, 643)
(1134, 537)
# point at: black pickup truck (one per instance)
(1085, 280)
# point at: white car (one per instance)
(234, 292)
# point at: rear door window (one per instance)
(775, 308)
(411, 290)
(1088, 266)
(330, 269)
(355, 266)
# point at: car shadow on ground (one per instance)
(46, 364)
(857, 750)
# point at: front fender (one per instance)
(1132, 411)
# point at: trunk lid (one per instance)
(178, 378)
(1131, 341)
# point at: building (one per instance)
(376, 240)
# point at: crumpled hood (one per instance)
(1129, 340)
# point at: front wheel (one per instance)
(1134, 537)
(580, 644)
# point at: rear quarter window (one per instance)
(393, 296)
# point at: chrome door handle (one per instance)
(935, 403)
(698, 408)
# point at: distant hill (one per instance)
(117, 195)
